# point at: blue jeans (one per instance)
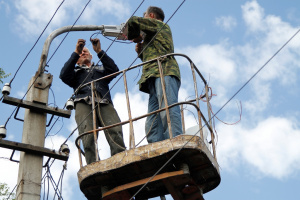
(156, 125)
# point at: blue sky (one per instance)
(229, 41)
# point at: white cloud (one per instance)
(216, 62)
(119, 9)
(270, 149)
(5, 6)
(253, 15)
(138, 106)
(7, 167)
(33, 15)
(227, 23)
(229, 66)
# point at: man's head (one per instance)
(85, 58)
(155, 12)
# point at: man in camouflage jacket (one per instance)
(157, 41)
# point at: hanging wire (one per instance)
(69, 31)
(48, 177)
(36, 42)
(86, 78)
(103, 55)
(99, 32)
(91, 71)
(54, 102)
(46, 65)
(176, 153)
(11, 193)
(130, 64)
(62, 121)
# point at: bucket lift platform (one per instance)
(192, 172)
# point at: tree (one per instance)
(5, 193)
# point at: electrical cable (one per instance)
(54, 102)
(68, 31)
(242, 86)
(50, 57)
(62, 120)
(36, 42)
(54, 185)
(58, 183)
(79, 87)
(11, 192)
(117, 40)
(229, 100)
(131, 63)
(46, 64)
(91, 71)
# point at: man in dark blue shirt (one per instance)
(79, 70)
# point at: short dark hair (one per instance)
(158, 12)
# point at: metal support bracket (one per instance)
(43, 80)
(37, 107)
(33, 149)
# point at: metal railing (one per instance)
(130, 120)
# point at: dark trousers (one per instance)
(106, 115)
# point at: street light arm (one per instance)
(58, 32)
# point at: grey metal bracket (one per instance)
(43, 80)
(33, 149)
(37, 107)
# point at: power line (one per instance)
(91, 71)
(46, 64)
(130, 64)
(36, 42)
(69, 31)
(87, 74)
(105, 53)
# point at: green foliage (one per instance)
(3, 75)
(4, 192)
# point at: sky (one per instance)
(231, 43)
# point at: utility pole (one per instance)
(31, 165)
(36, 105)
(33, 138)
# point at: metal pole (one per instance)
(210, 123)
(162, 79)
(197, 100)
(131, 132)
(79, 154)
(30, 168)
(182, 119)
(58, 32)
(94, 121)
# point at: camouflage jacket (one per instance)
(161, 45)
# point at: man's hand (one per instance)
(96, 45)
(138, 48)
(79, 46)
(138, 39)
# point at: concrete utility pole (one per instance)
(31, 165)
(36, 104)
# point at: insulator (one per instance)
(70, 104)
(6, 89)
(2, 131)
(65, 149)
